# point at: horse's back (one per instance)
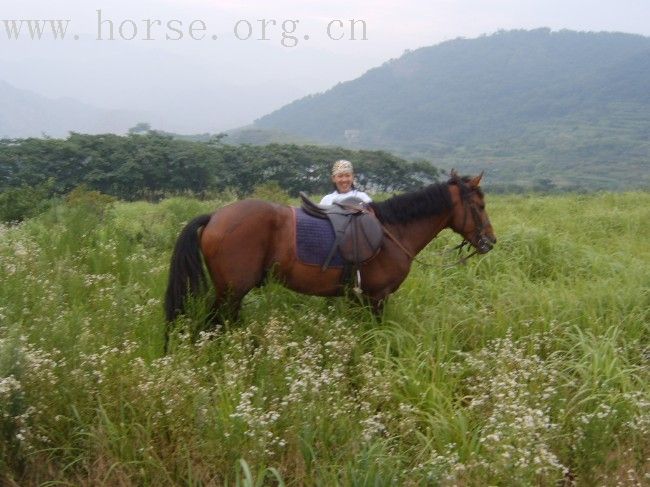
(247, 236)
(245, 240)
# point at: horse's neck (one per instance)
(417, 234)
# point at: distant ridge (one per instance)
(26, 114)
(564, 109)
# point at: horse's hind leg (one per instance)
(236, 246)
(225, 309)
(232, 281)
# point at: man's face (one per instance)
(343, 181)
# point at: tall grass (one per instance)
(527, 366)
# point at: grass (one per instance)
(527, 366)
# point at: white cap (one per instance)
(342, 166)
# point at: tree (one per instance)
(140, 128)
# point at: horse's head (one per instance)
(469, 217)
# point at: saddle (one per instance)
(358, 233)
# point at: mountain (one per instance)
(27, 114)
(557, 109)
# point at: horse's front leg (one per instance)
(377, 307)
(377, 302)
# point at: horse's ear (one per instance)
(474, 182)
(453, 174)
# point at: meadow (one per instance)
(527, 366)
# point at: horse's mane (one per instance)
(430, 200)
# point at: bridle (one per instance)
(483, 243)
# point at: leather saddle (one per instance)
(357, 232)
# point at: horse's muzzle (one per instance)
(486, 243)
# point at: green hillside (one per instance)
(562, 109)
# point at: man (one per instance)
(343, 179)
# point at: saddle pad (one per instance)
(314, 240)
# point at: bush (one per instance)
(93, 201)
(271, 191)
(18, 204)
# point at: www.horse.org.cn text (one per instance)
(286, 32)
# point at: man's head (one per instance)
(343, 175)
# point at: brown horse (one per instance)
(242, 242)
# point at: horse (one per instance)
(243, 242)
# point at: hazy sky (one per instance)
(217, 83)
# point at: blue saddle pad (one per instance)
(314, 240)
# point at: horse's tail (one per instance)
(186, 275)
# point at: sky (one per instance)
(209, 65)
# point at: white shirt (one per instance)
(330, 199)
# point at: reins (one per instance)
(397, 242)
(459, 247)
(462, 260)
